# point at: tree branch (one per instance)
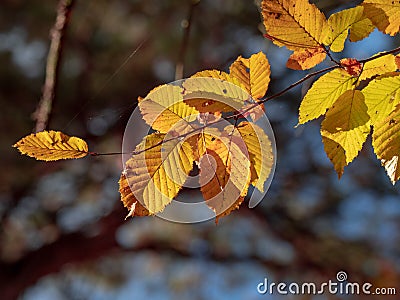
(186, 24)
(42, 113)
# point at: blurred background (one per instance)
(63, 233)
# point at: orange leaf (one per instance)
(128, 199)
(224, 174)
(352, 66)
(306, 59)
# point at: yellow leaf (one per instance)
(336, 154)
(259, 149)
(52, 145)
(398, 61)
(361, 29)
(224, 174)
(292, 23)
(214, 91)
(324, 93)
(378, 66)
(163, 109)
(157, 174)
(345, 129)
(253, 73)
(306, 59)
(129, 200)
(200, 141)
(381, 97)
(384, 14)
(336, 31)
(386, 143)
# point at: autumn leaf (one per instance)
(386, 143)
(378, 66)
(128, 199)
(361, 29)
(163, 109)
(158, 171)
(306, 59)
(297, 24)
(253, 73)
(398, 61)
(259, 150)
(338, 25)
(382, 96)
(214, 91)
(346, 126)
(336, 155)
(384, 14)
(224, 175)
(201, 140)
(323, 93)
(352, 66)
(52, 145)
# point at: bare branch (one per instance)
(43, 110)
(186, 24)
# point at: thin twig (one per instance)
(42, 113)
(393, 51)
(330, 56)
(186, 24)
(308, 76)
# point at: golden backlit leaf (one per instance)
(259, 150)
(52, 145)
(386, 143)
(157, 174)
(163, 109)
(324, 93)
(253, 74)
(214, 91)
(200, 141)
(378, 66)
(345, 129)
(382, 96)
(297, 24)
(336, 155)
(361, 29)
(306, 59)
(338, 25)
(384, 14)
